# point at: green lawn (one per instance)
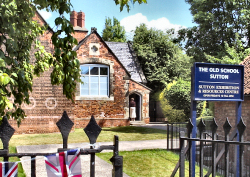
(78, 135)
(128, 133)
(145, 163)
(149, 163)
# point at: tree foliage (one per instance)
(113, 32)
(217, 22)
(178, 95)
(17, 34)
(123, 3)
(234, 55)
(162, 61)
(172, 115)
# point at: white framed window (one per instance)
(95, 79)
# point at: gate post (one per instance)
(193, 143)
(182, 155)
(238, 111)
(117, 160)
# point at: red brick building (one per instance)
(111, 75)
(222, 110)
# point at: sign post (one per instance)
(215, 82)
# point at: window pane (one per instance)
(84, 70)
(85, 91)
(94, 89)
(104, 92)
(85, 85)
(104, 79)
(85, 79)
(94, 86)
(103, 71)
(94, 70)
(94, 79)
(103, 86)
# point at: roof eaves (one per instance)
(142, 85)
(143, 78)
(81, 42)
(41, 17)
(94, 30)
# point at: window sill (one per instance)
(104, 98)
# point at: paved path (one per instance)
(103, 169)
(156, 126)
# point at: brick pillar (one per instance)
(73, 18)
(81, 19)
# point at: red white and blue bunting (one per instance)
(64, 164)
(8, 169)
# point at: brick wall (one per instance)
(107, 111)
(222, 110)
(48, 102)
(141, 90)
(79, 35)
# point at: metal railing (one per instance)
(173, 133)
(222, 156)
(92, 130)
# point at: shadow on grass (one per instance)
(131, 129)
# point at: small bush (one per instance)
(176, 116)
(176, 101)
(173, 115)
(179, 96)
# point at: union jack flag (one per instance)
(8, 169)
(64, 164)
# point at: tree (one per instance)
(123, 3)
(17, 34)
(217, 22)
(162, 61)
(234, 55)
(178, 95)
(113, 32)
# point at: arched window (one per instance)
(96, 80)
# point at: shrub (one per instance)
(175, 101)
(173, 115)
(179, 96)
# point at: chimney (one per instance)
(81, 19)
(78, 22)
(73, 18)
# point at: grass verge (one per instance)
(127, 133)
(149, 163)
(78, 135)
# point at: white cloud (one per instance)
(132, 21)
(46, 15)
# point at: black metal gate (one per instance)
(92, 130)
(228, 157)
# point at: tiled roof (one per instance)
(246, 64)
(126, 56)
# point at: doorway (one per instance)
(137, 99)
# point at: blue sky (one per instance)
(159, 14)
